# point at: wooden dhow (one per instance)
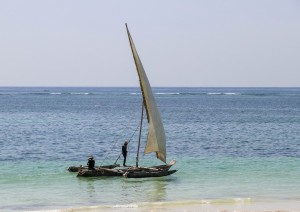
(156, 139)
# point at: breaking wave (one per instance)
(166, 206)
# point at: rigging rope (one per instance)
(128, 142)
(116, 143)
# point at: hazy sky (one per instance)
(181, 43)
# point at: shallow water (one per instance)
(231, 145)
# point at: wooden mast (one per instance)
(140, 135)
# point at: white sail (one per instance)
(156, 140)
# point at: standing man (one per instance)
(124, 152)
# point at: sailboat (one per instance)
(156, 139)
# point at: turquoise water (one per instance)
(231, 145)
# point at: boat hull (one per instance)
(100, 172)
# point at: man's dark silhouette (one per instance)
(91, 163)
(124, 152)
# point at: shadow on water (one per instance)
(91, 189)
(88, 185)
(112, 190)
(148, 189)
(151, 179)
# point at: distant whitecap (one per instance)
(80, 93)
(232, 93)
(214, 93)
(167, 93)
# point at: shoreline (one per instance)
(238, 205)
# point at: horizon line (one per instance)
(80, 86)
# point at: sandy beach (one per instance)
(194, 206)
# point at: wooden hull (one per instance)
(78, 168)
(100, 172)
(148, 173)
(153, 171)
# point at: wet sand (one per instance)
(270, 206)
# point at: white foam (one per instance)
(80, 93)
(213, 93)
(167, 93)
(231, 93)
(126, 206)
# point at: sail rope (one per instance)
(115, 143)
(128, 142)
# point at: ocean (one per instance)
(236, 149)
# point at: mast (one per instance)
(138, 150)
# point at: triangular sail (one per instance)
(156, 141)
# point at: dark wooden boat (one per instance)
(153, 171)
(130, 171)
(79, 168)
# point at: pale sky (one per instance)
(190, 43)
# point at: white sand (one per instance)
(271, 206)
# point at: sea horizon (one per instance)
(137, 86)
